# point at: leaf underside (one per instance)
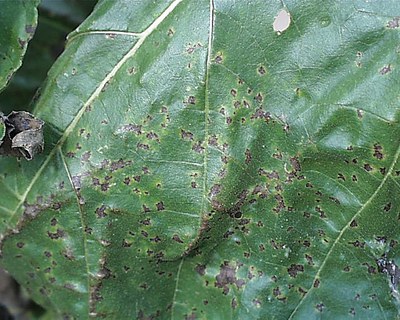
(199, 165)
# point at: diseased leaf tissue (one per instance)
(201, 165)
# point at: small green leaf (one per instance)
(2, 129)
(18, 20)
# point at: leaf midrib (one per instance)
(206, 134)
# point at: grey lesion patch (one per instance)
(385, 69)
(391, 269)
(394, 23)
(226, 277)
(23, 135)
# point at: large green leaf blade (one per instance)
(18, 20)
(201, 165)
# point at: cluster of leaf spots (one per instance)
(212, 195)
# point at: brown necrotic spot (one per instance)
(378, 151)
(215, 189)
(385, 69)
(261, 70)
(197, 147)
(186, 135)
(20, 245)
(201, 269)
(316, 283)
(132, 128)
(191, 100)
(100, 212)
(258, 98)
(176, 238)
(353, 224)
(387, 207)
(120, 164)
(248, 156)
(320, 307)
(104, 186)
(294, 269)
(218, 59)
(56, 235)
(160, 206)
(261, 114)
(367, 167)
(143, 146)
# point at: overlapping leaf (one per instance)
(200, 165)
(18, 21)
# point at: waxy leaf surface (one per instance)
(201, 165)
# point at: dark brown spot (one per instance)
(218, 59)
(215, 189)
(258, 98)
(385, 69)
(378, 151)
(132, 128)
(160, 206)
(104, 186)
(341, 176)
(309, 259)
(20, 245)
(143, 146)
(191, 100)
(248, 156)
(261, 70)
(56, 235)
(316, 283)
(100, 212)
(367, 167)
(294, 269)
(261, 114)
(201, 269)
(186, 135)
(387, 207)
(320, 307)
(197, 147)
(116, 165)
(176, 238)
(233, 92)
(353, 224)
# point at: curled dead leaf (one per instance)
(21, 134)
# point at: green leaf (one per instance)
(200, 164)
(2, 128)
(56, 20)
(18, 19)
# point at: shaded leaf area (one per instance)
(56, 19)
(18, 23)
(190, 174)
